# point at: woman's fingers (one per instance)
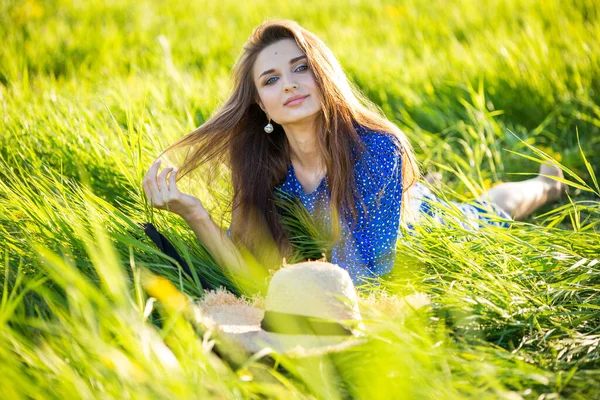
(173, 181)
(151, 173)
(162, 184)
(163, 193)
(151, 185)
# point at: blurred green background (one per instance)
(168, 63)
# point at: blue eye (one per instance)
(268, 81)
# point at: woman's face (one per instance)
(281, 72)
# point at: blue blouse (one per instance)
(368, 249)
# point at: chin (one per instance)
(297, 115)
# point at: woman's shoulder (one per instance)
(378, 142)
(380, 159)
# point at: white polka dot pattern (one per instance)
(369, 249)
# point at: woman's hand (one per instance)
(164, 194)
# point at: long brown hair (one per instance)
(234, 136)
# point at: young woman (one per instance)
(294, 125)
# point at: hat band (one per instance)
(294, 324)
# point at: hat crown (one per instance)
(313, 289)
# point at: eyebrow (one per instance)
(293, 60)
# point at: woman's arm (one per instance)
(220, 246)
(164, 194)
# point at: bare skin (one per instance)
(282, 82)
(277, 81)
(520, 199)
(162, 193)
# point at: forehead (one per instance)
(275, 56)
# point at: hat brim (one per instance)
(242, 324)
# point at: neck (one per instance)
(302, 138)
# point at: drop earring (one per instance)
(269, 127)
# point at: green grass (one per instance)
(90, 94)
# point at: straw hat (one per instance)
(311, 308)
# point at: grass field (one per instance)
(92, 92)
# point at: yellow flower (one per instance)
(392, 11)
(551, 153)
(29, 10)
(164, 291)
(487, 182)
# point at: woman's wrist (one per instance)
(196, 216)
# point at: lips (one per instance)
(294, 98)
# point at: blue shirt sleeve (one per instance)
(369, 250)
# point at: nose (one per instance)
(289, 87)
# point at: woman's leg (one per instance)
(519, 199)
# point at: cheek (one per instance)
(311, 82)
(314, 88)
(268, 96)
